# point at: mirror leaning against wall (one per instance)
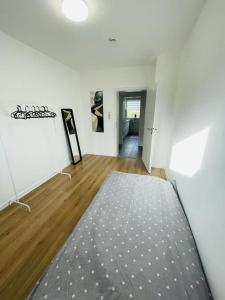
(71, 134)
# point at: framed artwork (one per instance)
(71, 134)
(97, 112)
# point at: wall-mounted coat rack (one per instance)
(35, 112)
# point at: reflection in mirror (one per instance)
(71, 134)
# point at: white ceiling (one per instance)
(144, 28)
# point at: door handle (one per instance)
(152, 130)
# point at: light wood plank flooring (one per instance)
(28, 241)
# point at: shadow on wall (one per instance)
(187, 155)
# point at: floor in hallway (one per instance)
(130, 147)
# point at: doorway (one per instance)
(131, 123)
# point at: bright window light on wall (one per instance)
(75, 10)
(187, 155)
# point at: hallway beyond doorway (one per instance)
(131, 123)
(130, 147)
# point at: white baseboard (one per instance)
(27, 190)
(33, 186)
(5, 204)
(30, 188)
(102, 154)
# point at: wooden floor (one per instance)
(28, 241)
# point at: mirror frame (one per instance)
(68, 138)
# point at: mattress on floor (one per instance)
(133, 242)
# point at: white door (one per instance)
(149, 130)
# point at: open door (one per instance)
(149, 130)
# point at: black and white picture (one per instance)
(97, 111)
(71, 134)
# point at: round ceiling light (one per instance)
(75, 10)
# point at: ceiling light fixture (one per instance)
(75, 10)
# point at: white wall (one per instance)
(110, 81)
(165, 78)
(200, 174)
(29, 77)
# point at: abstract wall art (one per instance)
(97, 112)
